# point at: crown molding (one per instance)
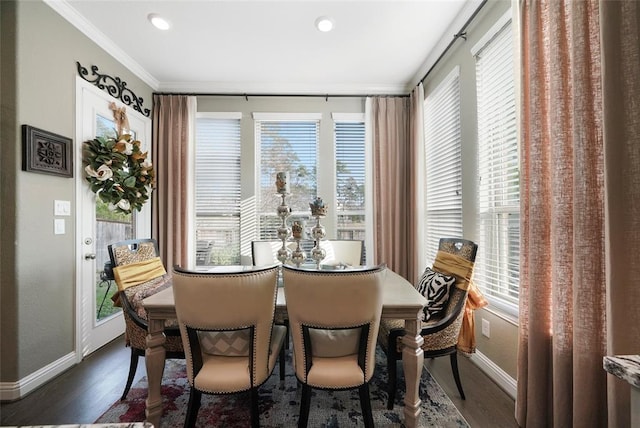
(64, 9)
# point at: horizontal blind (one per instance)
(497, 270)
(443, 163)
(286, 146)
(217, 191)
(350, 179)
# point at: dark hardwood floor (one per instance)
(83, 393)
(79, 395)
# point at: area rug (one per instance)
(280, 403)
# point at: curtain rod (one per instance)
(461, 34)
(246, 96)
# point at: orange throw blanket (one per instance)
(467, 338)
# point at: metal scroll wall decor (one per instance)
(115, 87)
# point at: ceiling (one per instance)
(273, 47)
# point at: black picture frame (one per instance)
(45, 152)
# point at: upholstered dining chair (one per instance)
(230, 340)
(139, 273)
(442, 321)
(343, 251)
(334, 318)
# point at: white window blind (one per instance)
(286, 146)
(443, 163)
(217, 191)
(350, 179)
(498, 259)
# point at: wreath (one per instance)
(118, 172)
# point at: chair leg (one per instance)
(456, 374)
(281, 357)
(392, 381)
(192, 409)
(133, 366)
(255, 411)
(365, 405)
(305, 405)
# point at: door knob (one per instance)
(90, 256)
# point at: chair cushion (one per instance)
(225, 343)
(334, 343)
(435, 287)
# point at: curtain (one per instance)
(396, 133)
(568, 249)
(620, 30)
(172, 129)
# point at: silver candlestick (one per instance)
(298, 256)
(284, 232)
(318, 233)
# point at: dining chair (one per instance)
(139, 273)
(343, 251)
(334, 318)
(266, 252)
(446, 286)
(229, 337)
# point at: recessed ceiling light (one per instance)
(324, 24)
(158, 21)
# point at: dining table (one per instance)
(400, 301)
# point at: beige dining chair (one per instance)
(343, 252)
(266, 252)
(229, 337)
(139, 273)
(455, 259)
(334, 318)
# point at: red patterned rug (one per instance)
(280, 403)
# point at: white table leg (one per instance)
(154, 361)
(412, 363)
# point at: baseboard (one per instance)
(11, 391)
(499, 376)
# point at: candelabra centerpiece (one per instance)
(318, 232)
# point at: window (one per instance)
(287, 143)
(497, 263)
(217, 189)
(350, 178)
(443, 163)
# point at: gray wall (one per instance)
(501, 347)
(39, 54)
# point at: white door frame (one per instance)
(85, 319)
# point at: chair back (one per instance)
(264, 253)
(132, 251)
(455, 257)
(138, 273)
(349, 252)
(227, 301)
(333, 300)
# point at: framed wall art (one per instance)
(46, 152)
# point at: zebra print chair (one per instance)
(456, 257)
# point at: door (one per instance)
(99, 321)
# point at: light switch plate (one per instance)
(58, 226)
(61, 207)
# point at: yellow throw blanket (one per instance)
(451, 264)
(135, 274)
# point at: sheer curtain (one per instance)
(396, 132)
(573, 308)
(172, 132)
